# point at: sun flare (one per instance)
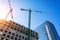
(3, 10)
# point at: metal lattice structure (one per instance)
(10, 11)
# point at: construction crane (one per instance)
(29, 22)
(10, 11)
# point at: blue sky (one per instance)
(50, 8)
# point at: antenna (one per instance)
(29, 20)
(10, 11)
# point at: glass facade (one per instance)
(47, 31)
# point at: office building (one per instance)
(10, 30)
(47, 31)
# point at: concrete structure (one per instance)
(47, 31)
(10, 30)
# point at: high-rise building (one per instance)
(47, 31)
(10, 30)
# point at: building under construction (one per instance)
(10, 30)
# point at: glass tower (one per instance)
(47, 31)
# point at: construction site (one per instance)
(21, 19)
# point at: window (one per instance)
(16, 35)
(6, 28)
(12, 37)
(37, 37)
(19, 36)
(14, 28)
(5, 31)
(23, 37)
(13, 33)
(7, 39)
(15, 38)
(20, 31)
(1, 29)
(9, 23)
(8, 36)
(19, 39)
(2, 38)
(9, 32)
(17, 29)
(26, 38)
(4, 24)
(23, 31)
(4, 34)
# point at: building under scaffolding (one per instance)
(10, 30)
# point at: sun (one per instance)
(3, 10)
